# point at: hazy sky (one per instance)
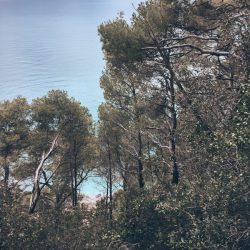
(46, 44)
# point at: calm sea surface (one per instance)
(53, 44)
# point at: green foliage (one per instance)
(241, 122)
(47, 230)
(177, 91)
(141, 223)
(14, 121)
(210, 99)
(119, 42)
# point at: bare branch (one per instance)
(36, 187)
(191, 36)
(202, 51)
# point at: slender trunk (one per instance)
(110, 186)
(171, 86)
(60, 195)
(170, 89)
(66, 196)
(110, 195)
(107, 199)
(36, 192)
(150, 164)
(33, 202)
(72, 185)
(58, 198)
(139, 161)
(75, 174)
(140, 165)
(123, 167)
(6, 170)
(125, 178)
(175, 177)
(75, 185)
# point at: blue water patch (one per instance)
(48, 45)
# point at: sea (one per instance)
(54, 44)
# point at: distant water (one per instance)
(53, 44)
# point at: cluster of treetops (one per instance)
(172, 143)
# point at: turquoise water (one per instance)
(48, 44)
(53, 44)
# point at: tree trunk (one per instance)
(110, 186)
(139, 161)
(123, 167)
(175, 177)
(140, 165)
(36, 192)
(6, 169)
(75, 174)
(72, 186)
(170, 89)
(150, 163)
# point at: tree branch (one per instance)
(202, 51)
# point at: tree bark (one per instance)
(139, 161)
(6, 169)
(75, 174)
(110, 186)
(36, 191)
(140, 164)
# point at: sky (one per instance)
(54, 44)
